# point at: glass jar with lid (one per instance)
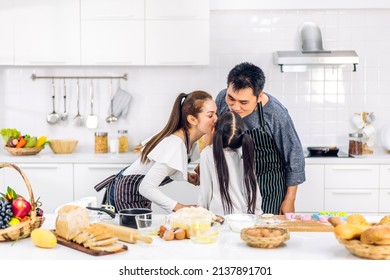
(101, 142)
(355, 146)
(123, 141)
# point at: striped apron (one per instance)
(123, 191)
(270, 169)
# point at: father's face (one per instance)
(242, 101)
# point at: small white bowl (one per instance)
(237, 222)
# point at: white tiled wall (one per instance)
(321, 100)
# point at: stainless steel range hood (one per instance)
(313, 53)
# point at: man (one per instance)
(280, 163)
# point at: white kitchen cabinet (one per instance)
(6, 33)
(47, 32)
(384, 192)
(52, 183)
(177, 42)
(112, 32)
(177, 32)
(87, 176)
(310, 194)
(180, 9)
(352, 188)
(112, 9)
(351, 176)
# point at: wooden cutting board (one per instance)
(302, 226)
(83, 249)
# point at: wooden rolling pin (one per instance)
(126, 234)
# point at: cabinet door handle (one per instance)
(99, 167)
(351, 192)
(353, 168)
(40, 166)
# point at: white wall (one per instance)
(320, 101)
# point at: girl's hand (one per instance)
(193, 178)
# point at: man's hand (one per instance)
(193, 178)
(288, 204)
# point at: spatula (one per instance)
(78, 119)
(92, 120)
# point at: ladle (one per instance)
(111, 118)
(53, 117)
(64, 115)
(78, 119)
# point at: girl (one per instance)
(227, 176)
(165, 156)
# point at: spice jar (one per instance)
(355, 144)
(123, 141)
(101, 142)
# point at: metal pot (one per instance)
(126, 216)
(323, 151)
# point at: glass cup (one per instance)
(149, 224)
(204, 232)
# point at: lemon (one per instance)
(43, 238)
(14, 221)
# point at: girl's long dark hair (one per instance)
(185, 105)
(229, 133)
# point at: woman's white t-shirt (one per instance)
(210, 195)
(168, 158)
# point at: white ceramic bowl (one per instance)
(237, 222)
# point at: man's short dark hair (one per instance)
(247, 75)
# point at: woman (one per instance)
(165, 156)
(227, 170)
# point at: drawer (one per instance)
(385, 176)
(347, 200)
(352, 176)
(384, 200)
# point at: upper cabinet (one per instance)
(177, 32)
(47, 32)
(7, 33)
(112, 32)
(104, 32)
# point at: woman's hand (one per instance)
(193, 178)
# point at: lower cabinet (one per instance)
(310, 194)
(87, 176)
(352, 188)
(51, 183)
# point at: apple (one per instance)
(20, 207)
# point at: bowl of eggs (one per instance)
(265, 237)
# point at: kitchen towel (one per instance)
(121, 103)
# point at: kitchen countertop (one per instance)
(87, 155)
(229, 246)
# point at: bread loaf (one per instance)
(377, 235)
(70, 220)
(349, 231)
(385, 220)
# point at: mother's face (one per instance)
(207, 117)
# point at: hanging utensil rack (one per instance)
(35, 77)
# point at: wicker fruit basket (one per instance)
(23, 229)
(366, 251)
(265, 237)
(23, 151)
